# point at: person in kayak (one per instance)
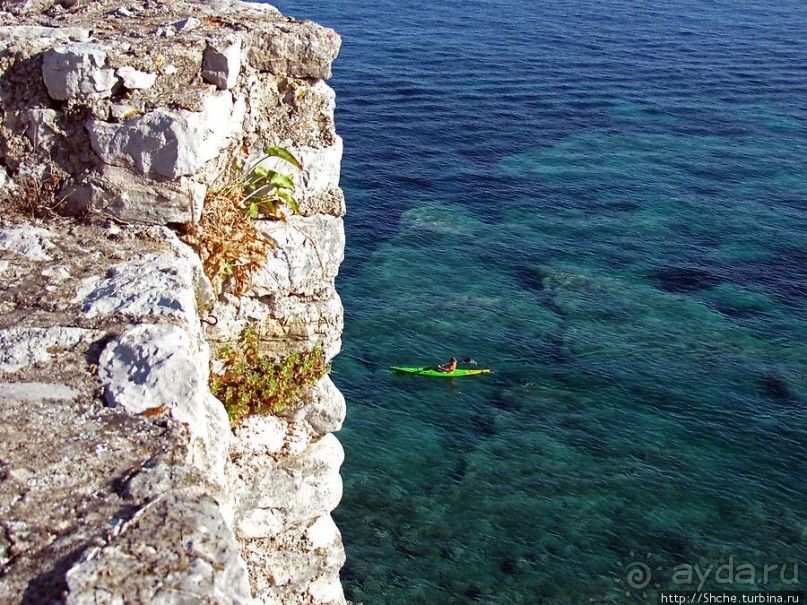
(448, 367)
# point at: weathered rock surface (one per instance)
(235, 76)
(287, 561)
(153, 366)
(168, 142)
(26, 240)
(306, 50)
(65, 493)
(207, 569)
(36, 391)
(77, 70)
(306, 259)
(21, 347)
(294, 490)
(152, 285)
(120, 478)
(221, 64)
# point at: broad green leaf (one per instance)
(253, 210)
(289, 199)
(281, 181)
(283, 153)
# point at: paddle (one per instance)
(467, 360)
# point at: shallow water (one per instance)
(606, 203)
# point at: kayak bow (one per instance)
(432, 372)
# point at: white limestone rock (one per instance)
(326, 413)
(311, 323)
(188, 24)
(136, 198)
(321, 168)
(26, 240)
(222, 62)
(260, 435)
(36, 37)
(153, 366)
(323, 412)
(36, 391)
(77, 70)
(271, 498)
(28, 7)
(175, 550)
(299, 566)
(320, 174)
(162, 366)
(122, 111)
(134, 79)
(166, 31)
(306, 257)
(322, 532)
(42, 125)
(287, 323)
(300, 50)
(168, 142)
(26, 347)
(211, 449)
(154, 285)
(327, 589)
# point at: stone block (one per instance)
(156, 366)
(299, 566)
(149, 287)
(272, 498)
(222, 62)
(77, 70)
(301, 50)
(136, 198)
(286, 323)
(305, 259)
(135, 79)
(169, 142)
(173, 550)
(326, 413)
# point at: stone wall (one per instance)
(120, 477)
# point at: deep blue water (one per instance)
(606, 203)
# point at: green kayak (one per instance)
(433, 372)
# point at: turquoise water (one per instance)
(605, 203)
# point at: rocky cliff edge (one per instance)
(121, 480)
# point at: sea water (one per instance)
(606, 203)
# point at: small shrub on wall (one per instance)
(253, 383)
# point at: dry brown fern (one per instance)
(230, 246)
(34, 197)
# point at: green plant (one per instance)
(253, 383)
(267, 190)
(230, 246)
